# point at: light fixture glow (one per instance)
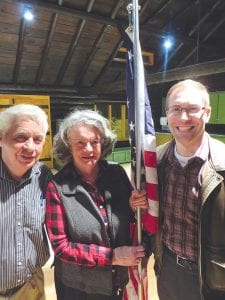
(167, 44)
(28, 15)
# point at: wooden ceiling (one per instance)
(70, 50)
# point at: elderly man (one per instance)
(190, 246)
(24, 247)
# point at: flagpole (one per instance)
(139, 130)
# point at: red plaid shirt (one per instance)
(57, 227)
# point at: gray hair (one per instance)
(87, 117)
(189, 83)
(31, 111)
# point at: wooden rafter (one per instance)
(72, 12)
(72, 47)
(109, 61)
(46, 49)
(19, 50)
(97, 43)
(193, 71)
(219, 23)
(193, 30)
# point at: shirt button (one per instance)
(19, 263)
(19, 223)
(19, 244)
(100, 206)
(19, 203)
(19, 280)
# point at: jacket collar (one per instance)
(216, 150)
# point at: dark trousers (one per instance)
(64, 292)
(176, 282)
(213, 295)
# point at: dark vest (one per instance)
(86, 226)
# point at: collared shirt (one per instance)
(98, 200)
(182, 202)
(23, 245)
(78, 253)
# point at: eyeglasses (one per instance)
(79, 144)
(177, 110)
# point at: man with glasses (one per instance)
(190, 246)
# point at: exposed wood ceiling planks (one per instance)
(68, 50)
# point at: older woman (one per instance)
(88, 212)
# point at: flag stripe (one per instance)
(152, 191)
(150, 159)
(151, 175)
(150, 222)
(154, 208)
(149, 141)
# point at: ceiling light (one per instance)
(168, 43)
(28, 15)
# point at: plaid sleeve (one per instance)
(77, 253)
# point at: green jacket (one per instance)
(211, 239)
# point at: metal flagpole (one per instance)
(139, 122)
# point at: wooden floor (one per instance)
(49, 278)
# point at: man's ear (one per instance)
(207, 113)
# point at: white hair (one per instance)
(78, 118)
(31, 111)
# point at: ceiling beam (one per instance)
(193, 30)
(97, 44)
(157, 12)
(46, 49)
(19, 51)
(193, 71)
(108, 63)
(41, 90)
(207, 15)
(213, 29)
(116, 48)
(72, 12)
(72, 47)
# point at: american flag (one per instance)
(148, 146)
(148, 165)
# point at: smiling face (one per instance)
(21, 146)
(187, 128)
(85, 146)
